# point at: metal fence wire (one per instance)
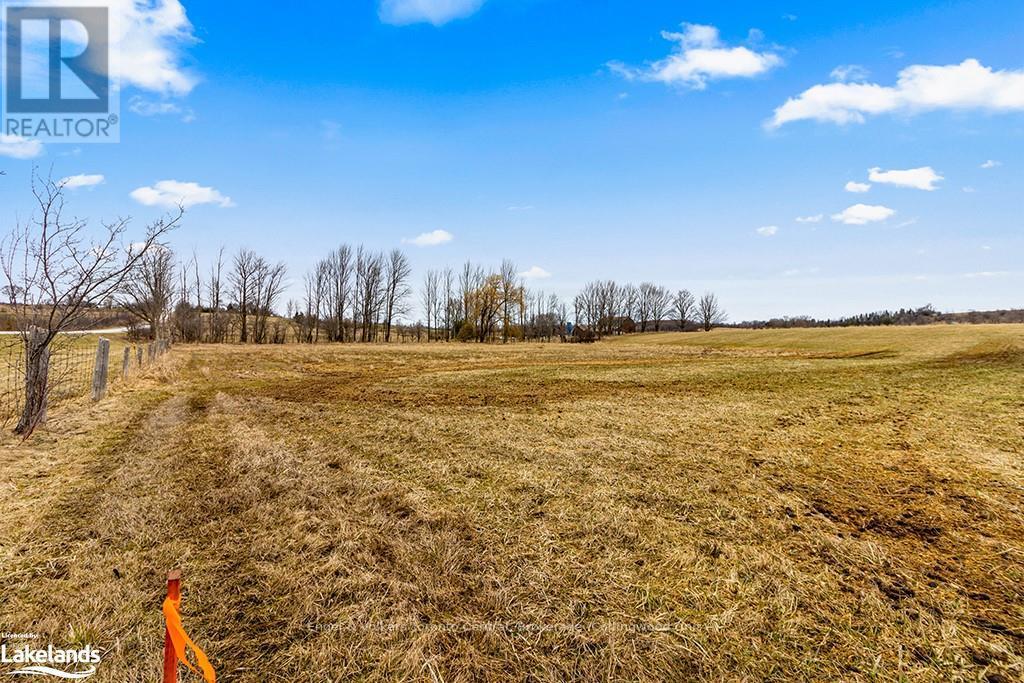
(72, 362)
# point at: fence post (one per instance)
(37, 381)
(126, 363)
(138, 356)
(170, 658)
(151, 351)
(99, 371)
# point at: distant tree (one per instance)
(244, 270)
(661, 302)
(450, 302)
(643, 304)
(338, 291)
(430, 296)
(710, 311)
(215, 291)
(685, 306)
(149, 290)
(268, 283)
(511, 293)
(397, 291)
(369, 293)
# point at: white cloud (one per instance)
(143, 107)
(968, 189)
(82, 180)
(767, 230)
(535, 273)
(861, 214)
(987, 273)
(171, 193)
(857, 187)
(968, 85)
(17, 147)
(923, 178)
(816, 218)
(150, 36)
(436, 12)
(991, 163)
(700, 57)
(849, 72)
(430, 239)
(522, 207)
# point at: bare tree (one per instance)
(448, 280)
(148, 291)
(55, 273)
(215, 291)
(244, 268)
(397, 289)
(339, 291)
(317, 282)
(710, 312)
(511, 295)
(267, 286)
(369, 293)
(430, 296)
(661, 302)
(644, 303)
(685, 306)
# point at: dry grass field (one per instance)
(820, 505)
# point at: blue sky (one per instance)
(584, 140)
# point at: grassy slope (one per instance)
(802, 504)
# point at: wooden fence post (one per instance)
(170, 658)
(126, 363)
(138, 356)
(99, 371)
(151, 351)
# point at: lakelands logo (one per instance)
(56, 72)
(59, 663)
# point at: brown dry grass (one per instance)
(798, 505)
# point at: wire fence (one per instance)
(72, 368)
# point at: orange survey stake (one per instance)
(176, 641)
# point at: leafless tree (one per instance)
(55, 272)
(448, 280)
(369, 292)
(630, 296)
(684, 306)
(267, 286)
(149, 290)
(397, 291)
(710, 311)
(430, 296)
(645, 303)
(661, 302)
(215, 293)
(511, 293)
(317, 283)
(339, 290)
(244, 269)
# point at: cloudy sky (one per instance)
(795, 157)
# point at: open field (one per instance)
(825, 504)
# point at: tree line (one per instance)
(59, 270)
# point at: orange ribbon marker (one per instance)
(176, 641)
